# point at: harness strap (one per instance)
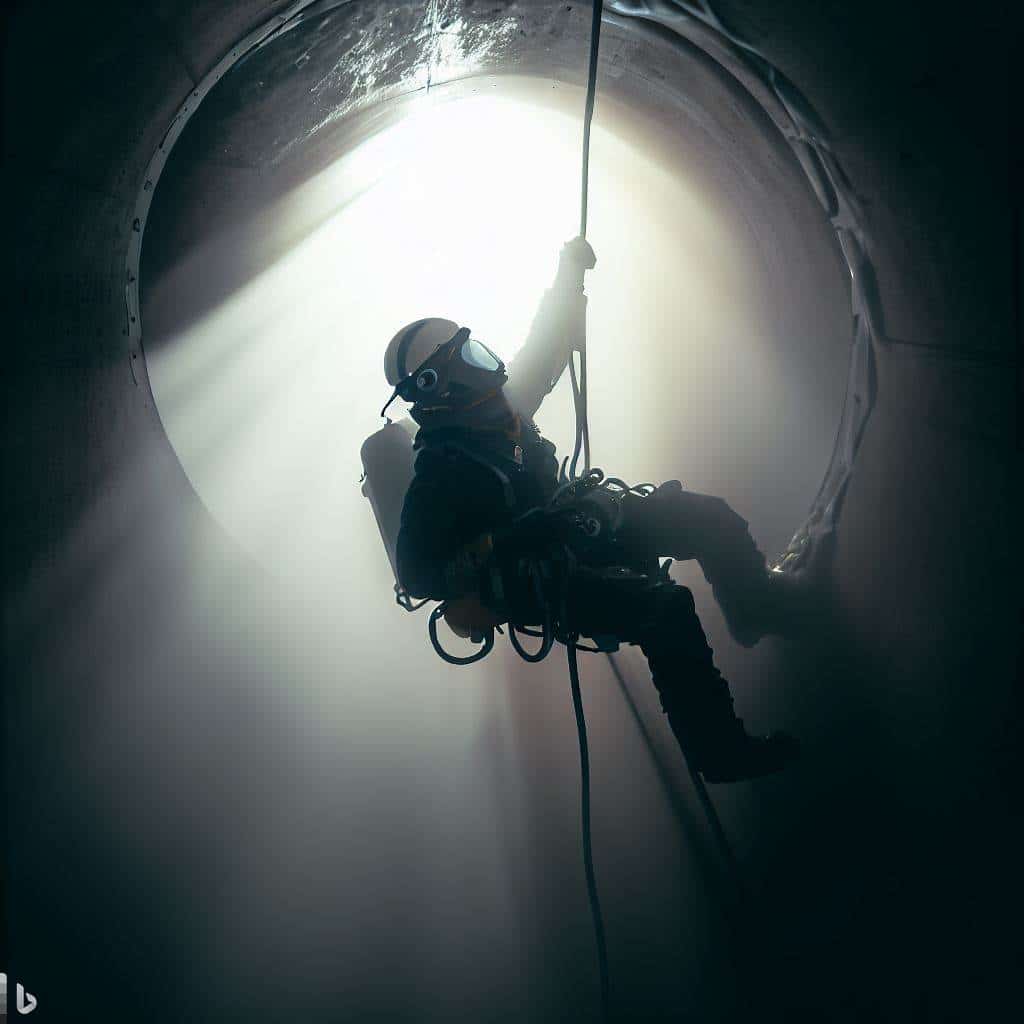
(506, 484)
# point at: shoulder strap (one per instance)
(478, 457)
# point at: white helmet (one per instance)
(414, 343)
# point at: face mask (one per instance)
(453, 376)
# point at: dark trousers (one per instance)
(660, 616)
(683, 525)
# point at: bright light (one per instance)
(457, 211)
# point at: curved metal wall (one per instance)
(884, 870)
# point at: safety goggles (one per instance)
(462, 363)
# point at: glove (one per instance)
(577, 257)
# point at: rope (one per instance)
(588, 850)
(579, 380)
(452, 659)
(588, 112)
(717, 830)
(582, 447)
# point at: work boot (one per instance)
(748, 757)
(698, 703)
(700, 712)
(770, 604)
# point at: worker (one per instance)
(476, 532)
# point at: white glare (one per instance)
(457, 211)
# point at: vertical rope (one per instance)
(579, 383)
(588, 112)
(579, 390)
(588, 849)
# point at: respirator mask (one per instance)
(454, 376)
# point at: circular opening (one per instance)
(285, 246)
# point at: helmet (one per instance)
(436, 365)
(413, 343)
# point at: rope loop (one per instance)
(453, 659)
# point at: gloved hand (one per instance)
(576, 258)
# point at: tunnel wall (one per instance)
(883, 870)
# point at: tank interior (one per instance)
(240, 784)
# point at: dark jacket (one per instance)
(469, 481)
